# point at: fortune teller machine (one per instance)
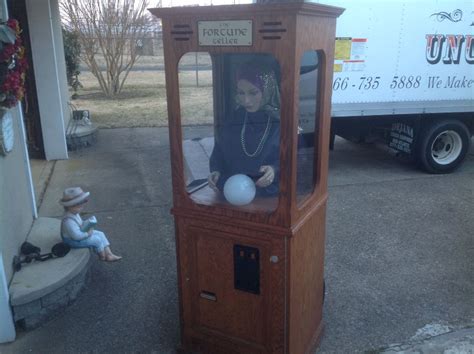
(249, 186)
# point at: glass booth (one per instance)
(230, 118)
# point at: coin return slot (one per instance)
(208, 295)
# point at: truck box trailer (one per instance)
(404, 71)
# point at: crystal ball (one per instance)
(239, 190)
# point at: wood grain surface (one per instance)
(286, 315)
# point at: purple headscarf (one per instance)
(252, 74)
(265, 80)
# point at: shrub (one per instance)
(72, 51)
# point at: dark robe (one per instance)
(229, 158)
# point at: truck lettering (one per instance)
(450, 48)
(455, 82)
(434, 46)
(405, 82)
(453, 49)
(434, 82)
(470, 49)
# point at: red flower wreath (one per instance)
(13, 65)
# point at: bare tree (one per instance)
(108, 29)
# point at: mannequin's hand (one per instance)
(267, 178)
(212, 180)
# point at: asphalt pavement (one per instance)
(399, 252)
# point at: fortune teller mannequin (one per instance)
(73, 202)
(249, 141)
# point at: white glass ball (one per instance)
(239, 190)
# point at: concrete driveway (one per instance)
(399, 252)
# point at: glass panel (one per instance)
(308, 129)
(197, 111)
(231, 129)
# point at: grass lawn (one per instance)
(142, 102)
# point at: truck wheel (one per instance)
(444, 146)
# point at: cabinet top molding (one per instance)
(300, 8)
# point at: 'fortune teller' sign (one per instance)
(225, 33)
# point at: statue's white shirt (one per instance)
(71, 227)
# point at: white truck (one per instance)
(404, 71)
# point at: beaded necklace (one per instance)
(262, 140)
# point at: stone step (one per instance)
(41, 290)
(80, 134)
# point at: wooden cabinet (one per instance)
(212, 258)
(251, 277)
